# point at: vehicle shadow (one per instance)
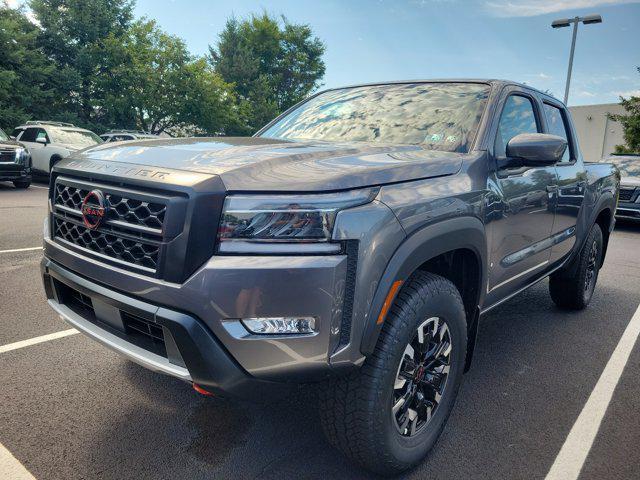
(514, 410)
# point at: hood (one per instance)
(262, 164)
(10, 145)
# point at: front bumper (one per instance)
(205, 341)
(14, 171)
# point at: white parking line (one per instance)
(36, 340)
(11, 468)
(21, 250)
(573, 454)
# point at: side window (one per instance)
(42, 134)
(518, 116)
(557, 126)
(29, 135)
(16, 133)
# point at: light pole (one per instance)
(565, 22)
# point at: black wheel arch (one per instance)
(55, 158)
(461, 234)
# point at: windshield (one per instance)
(629, 166)
(438, 116)
(3, 136)
(74, 137)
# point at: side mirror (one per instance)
(536, 148)
(41, 140)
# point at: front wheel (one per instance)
(388, 415)
(572, 289)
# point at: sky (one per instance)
(376, 40)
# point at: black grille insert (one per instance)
(139, 331)
(145, 334)
(626, 194)
(110, 243)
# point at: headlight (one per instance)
(22, 155)
(282, 223)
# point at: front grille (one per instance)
(132, 232)
(122, 209)
(626, 194)
(110, 244)
(7, 156)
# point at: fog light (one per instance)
(280, 325)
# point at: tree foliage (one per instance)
(25, 72)
(91, 63)
(630, 124)
(72, 35)
(152, 82)
(273, 65)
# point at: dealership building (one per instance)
(597, 134)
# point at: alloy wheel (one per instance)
(592, 268)
(422, 376)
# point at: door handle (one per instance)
(552, 188)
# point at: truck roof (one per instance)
(495, 82)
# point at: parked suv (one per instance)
(629, 199)
(354, 241)
(50, 142)
(15, 162)
(125, 135)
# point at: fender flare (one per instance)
(423, 245)
(606, 201)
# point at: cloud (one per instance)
(628, 93)
(531, 8)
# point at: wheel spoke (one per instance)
(399, 383)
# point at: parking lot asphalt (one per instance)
(71, 409)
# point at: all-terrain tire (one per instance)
(572, 288)
(356, 411)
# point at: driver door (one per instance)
(523, 203)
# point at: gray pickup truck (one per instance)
(354, 242)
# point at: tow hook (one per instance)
(202, 391)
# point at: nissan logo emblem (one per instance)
(94, 209)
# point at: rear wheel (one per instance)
(390, 413)
(21, 183)
(573, 288)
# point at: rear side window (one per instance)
(518, 116)
(30, 135)
(557, 126)
(121, 138)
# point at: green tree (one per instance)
(273, 65)
(154, 84)
(25, 72)
(72, 35)
(630, 124)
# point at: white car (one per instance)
(126, 135)
(50, 142)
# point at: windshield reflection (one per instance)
(438, 116)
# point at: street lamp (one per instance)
(565, 22)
